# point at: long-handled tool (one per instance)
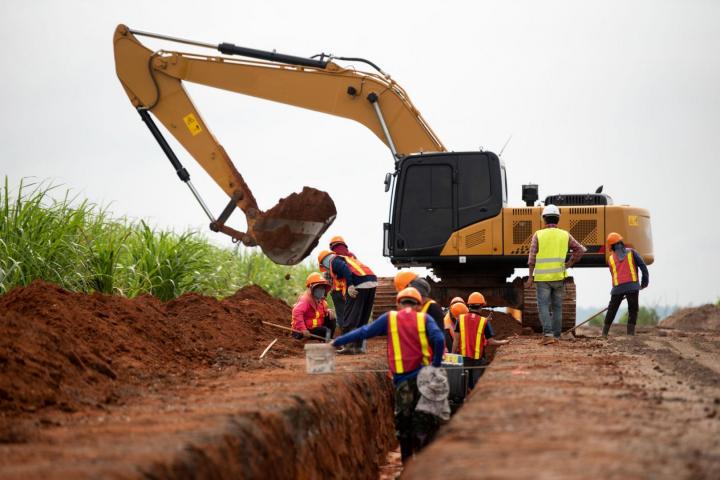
(586, 321)
(293, 330)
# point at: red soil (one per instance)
(67, 350)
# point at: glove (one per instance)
(352, 291)
(306, 333)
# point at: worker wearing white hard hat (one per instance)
(548, 269)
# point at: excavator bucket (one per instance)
(289, 231)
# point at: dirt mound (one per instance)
(503, 324)
(68, 350)
(706, 317)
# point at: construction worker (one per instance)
(413, 342)
(311, 314)
(406, 278)
(360, 295)
(472, 333)
(548, 270)
(457, 307)
(339, 285)
(624, 263)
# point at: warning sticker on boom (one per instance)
(192, 124)
(633, 220)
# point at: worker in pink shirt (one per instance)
(311, 314)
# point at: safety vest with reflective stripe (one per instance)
(449, 325)
(622, 271)
(408, 344)
(472, 335)
(356, 267)
(313, 312)
(426, 307)
(552, 250)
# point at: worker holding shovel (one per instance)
(415, 349)
(624, 263)
(311, 315)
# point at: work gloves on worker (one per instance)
(352, 291)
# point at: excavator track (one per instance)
(530, 314)
(384, 296)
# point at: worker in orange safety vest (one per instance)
(472, 333)
(311, 314)
(414, 342)
(457, 307)
(624, 263)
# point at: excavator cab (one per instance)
(437, 194)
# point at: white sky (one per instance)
(623, 94)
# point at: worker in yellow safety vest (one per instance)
(548, 269)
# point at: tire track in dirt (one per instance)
(585, 408)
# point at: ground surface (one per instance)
(629, 407)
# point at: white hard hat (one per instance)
(551, 210)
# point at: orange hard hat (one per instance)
(409, 293)
(315, 278)
(458, 309)
(614, 238)
(403, 279)
(476, 298)
(457, 300)
(322, 255)
(337, 239)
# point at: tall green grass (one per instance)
(49, 234)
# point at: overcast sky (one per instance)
(622, 94)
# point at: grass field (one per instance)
(47, 233)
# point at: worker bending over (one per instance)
(405, 278)
(472, 333)
(339, 285)
(311, 314)
(624, 263)
(457, 308)
(361, 284)
(413, 341)
(548, 270)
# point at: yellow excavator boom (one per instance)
(287, 232)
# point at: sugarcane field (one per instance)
(209, 270)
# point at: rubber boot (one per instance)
(606, 329)
(406, 449)
(631, 329)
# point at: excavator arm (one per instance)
(290, 230)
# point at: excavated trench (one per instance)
(103, 386)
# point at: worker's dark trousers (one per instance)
(358, 311)
(326, 331)
(633, 307)
(414, 429)
(339, 302)
(474, 374)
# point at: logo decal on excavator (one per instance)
(192, 124)
(633, 220)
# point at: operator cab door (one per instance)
(438, 194)
(425, 213)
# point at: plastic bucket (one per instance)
(319, 358)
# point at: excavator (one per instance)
(448, 210)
